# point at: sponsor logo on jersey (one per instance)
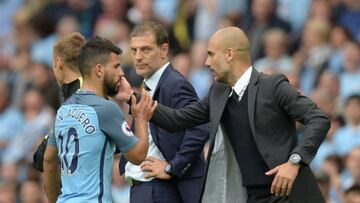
(126, 129)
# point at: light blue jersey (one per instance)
(87, 129)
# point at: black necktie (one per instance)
(234, 96)
(147, 88)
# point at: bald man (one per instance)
(255, 154)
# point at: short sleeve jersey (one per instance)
(87, 130)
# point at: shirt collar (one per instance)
(155, 77)
(242, 83)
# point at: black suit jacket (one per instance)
(273, 106)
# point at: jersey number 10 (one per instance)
(64, 150)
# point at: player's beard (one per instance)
(111, 88)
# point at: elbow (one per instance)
(136, 157)
(326, 124)
(139, 160)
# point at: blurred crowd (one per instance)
(315, 43)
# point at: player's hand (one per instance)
(154, 168)
(125, 90)
(143, 110)
(285, 175)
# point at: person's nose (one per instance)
(138, 56)
(207, 62)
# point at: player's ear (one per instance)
(58, 63)
(99, 70)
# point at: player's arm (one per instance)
(52, 173)
(114, 125)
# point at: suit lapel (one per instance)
(252, 93)
(218, 101)
(153, 127)
(167, 70)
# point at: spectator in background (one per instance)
(311, 59)
(350, 18)
(18, 67)
(323, 181)
(339, 37)
(38, 120)
(329, 82)
(7, 41)
(326, 148)
(276, 59)
(141, 11)
(11, 119)
(41, 50)
(210, 14)
(200, 75)
(182, 63)
(43, 79)
(321, 10)
(7, 191)
(350, 78)
(295, 12)
(353, 168)
(263, 17)
(333, 165)
(113, 9)
(348, 137)
(31, 192)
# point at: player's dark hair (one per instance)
(96, 51)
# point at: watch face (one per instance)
(167, 168)
(295, 158)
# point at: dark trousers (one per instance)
(268, 199)
(155, 191)
(162, 191)
(263, 195)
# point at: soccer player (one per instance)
(88, 127)
(65, 54)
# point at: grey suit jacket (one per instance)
(273, 106)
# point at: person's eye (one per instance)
(147, 50)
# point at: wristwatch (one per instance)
(168, 170)
(295, 159)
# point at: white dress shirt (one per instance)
(242, 83)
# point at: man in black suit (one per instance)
(252, 129)
(175, 162)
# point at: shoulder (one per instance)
(173, 80)
(106, 108)
(272, 80)
(173, 76)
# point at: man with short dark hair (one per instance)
(88, 127)
(175, 165)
